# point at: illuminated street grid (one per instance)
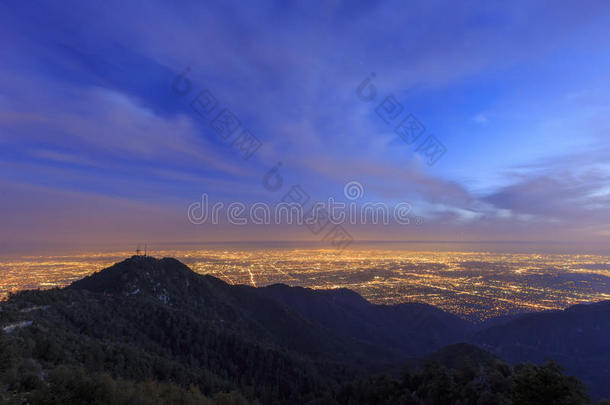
(474, 286)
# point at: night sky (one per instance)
(99, 143)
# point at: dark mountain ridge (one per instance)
(577, 337)
(155, 319)
(147, 319)
(239, 309)
(412, 329)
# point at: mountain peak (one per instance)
(140, 275)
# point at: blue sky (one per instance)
(95, 145)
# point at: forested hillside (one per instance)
(149, 331)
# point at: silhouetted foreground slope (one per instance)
(578, 338)
(229, 308)
(411, 329)
(152, 331)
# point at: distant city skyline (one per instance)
(473, 285)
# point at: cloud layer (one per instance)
(517, 93)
